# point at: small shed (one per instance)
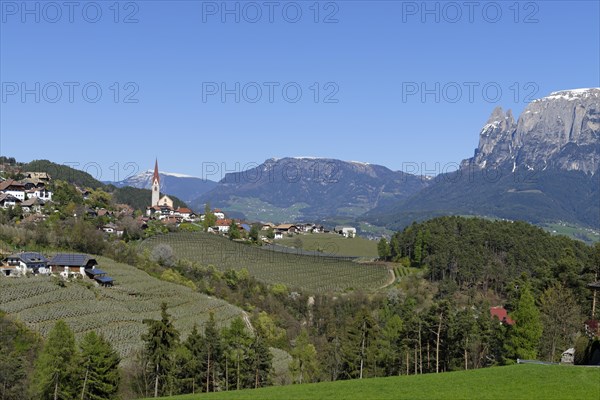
(99, 276)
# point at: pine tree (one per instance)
(304, 366)
(383, 249)
(54, 369)
(196, 366)
(524, 338)
(236, 343)
(212, 352)
(99, 368)
(261, 361)
(160, 342)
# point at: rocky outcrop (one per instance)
(559, 131)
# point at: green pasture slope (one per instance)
(312, 273)
(116, 312)
(521, 381)
(334, 244)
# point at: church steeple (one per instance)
(156, 177)
(155, 185)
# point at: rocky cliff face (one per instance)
(560, 131)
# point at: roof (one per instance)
(285, 226)
(9, 197)
(71, 260)
(501, 314)
(104, 279)
(10, 182)
(595, 285)
(32, 202)
(95, 271)
(156, 176)
(184, 210)
(29, 257)
(223, 222)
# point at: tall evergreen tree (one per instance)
(99, 368)
(383, 249)
(196, 365)
(54, 370)
(261, 361)
(304, 367)
(212, 352)
(159, 343)
(524, 338)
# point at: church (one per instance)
(158, 201)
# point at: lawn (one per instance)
(512, 382)
(311, 273)
(333, 244)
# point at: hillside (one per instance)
(137, 198)
(304, 188)
(312, 273)
(523, 381)
(116, 312)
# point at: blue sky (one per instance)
(370, 60)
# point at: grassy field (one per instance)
(573, 231)
(116, 312)
(334, 244)
(312, 273)
(514, 382)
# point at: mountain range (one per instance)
(543, 167)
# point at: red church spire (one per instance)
(156, 177)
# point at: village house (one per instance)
(185, 213)
(25, 262)
(222, 225)
(42, 176)
(40, 192)
(8, 200)
(67, 264)
(219, 213)
(32, 205)
(14, 188)
(286, 229)
(112, 229)
(346, 231)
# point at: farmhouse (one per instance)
(222, 225)
(67, 263)
(32, 205)
(346, 231)
(8, 200)
(25, 262)
(12, 187)
(286, 228)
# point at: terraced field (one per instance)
(116, 312)
(312, 273)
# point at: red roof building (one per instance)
(502, 315)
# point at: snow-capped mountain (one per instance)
(185, 187)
